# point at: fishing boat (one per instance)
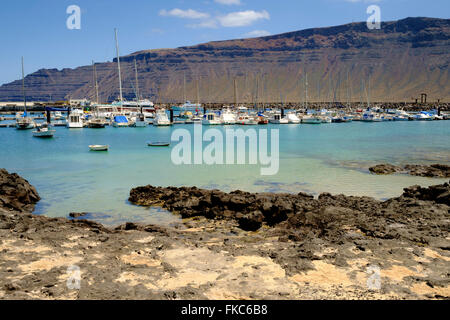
(228, 116)
(75, 119)
(293, 118)
(211, 119)
(24, 122)
(98, 147)
(161, 118)
(43, 131)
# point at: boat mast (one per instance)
(198, 92)
(256, 93)
(118, 67)
(306, 90)
(95, 82)
(184, 88)
(138, 99)
(368, 93)
(348, 96)
(23, 89)
(235, 93)
(137, 81)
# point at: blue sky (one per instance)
(37, 29)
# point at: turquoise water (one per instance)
(313, 158)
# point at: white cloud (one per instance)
(188, 14)
(242, 18)
(228, 2)
(257, 33)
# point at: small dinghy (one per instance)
(44, 131)
(97, 147)
(158, 144)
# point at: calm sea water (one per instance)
(313, 158)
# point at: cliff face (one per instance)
(404, 58)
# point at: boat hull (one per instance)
(44, 134)
(98, 148)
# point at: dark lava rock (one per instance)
(420, 215)
(385, 169)
(250, 210)
(252, 221)
(77, 214)
(434, 170)
(16, 193)
(431, 171)
(437, 193)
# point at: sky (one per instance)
(37, 29)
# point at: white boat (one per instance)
(75, 119)
(96, 123)
(292, 118)
(211, 119)
(245, 119)
(98, 147)
(25, 123)
(140, 121)
(277, 119)
(370, 117)
(423, 116)
(228, 116)
(326, 119)
(161, 118)
(309, 119)
(401, 115)
(44, 131)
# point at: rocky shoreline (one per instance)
(431, 171)
(232, 246)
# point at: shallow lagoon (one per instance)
(313, 158)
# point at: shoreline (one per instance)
(321, 252)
